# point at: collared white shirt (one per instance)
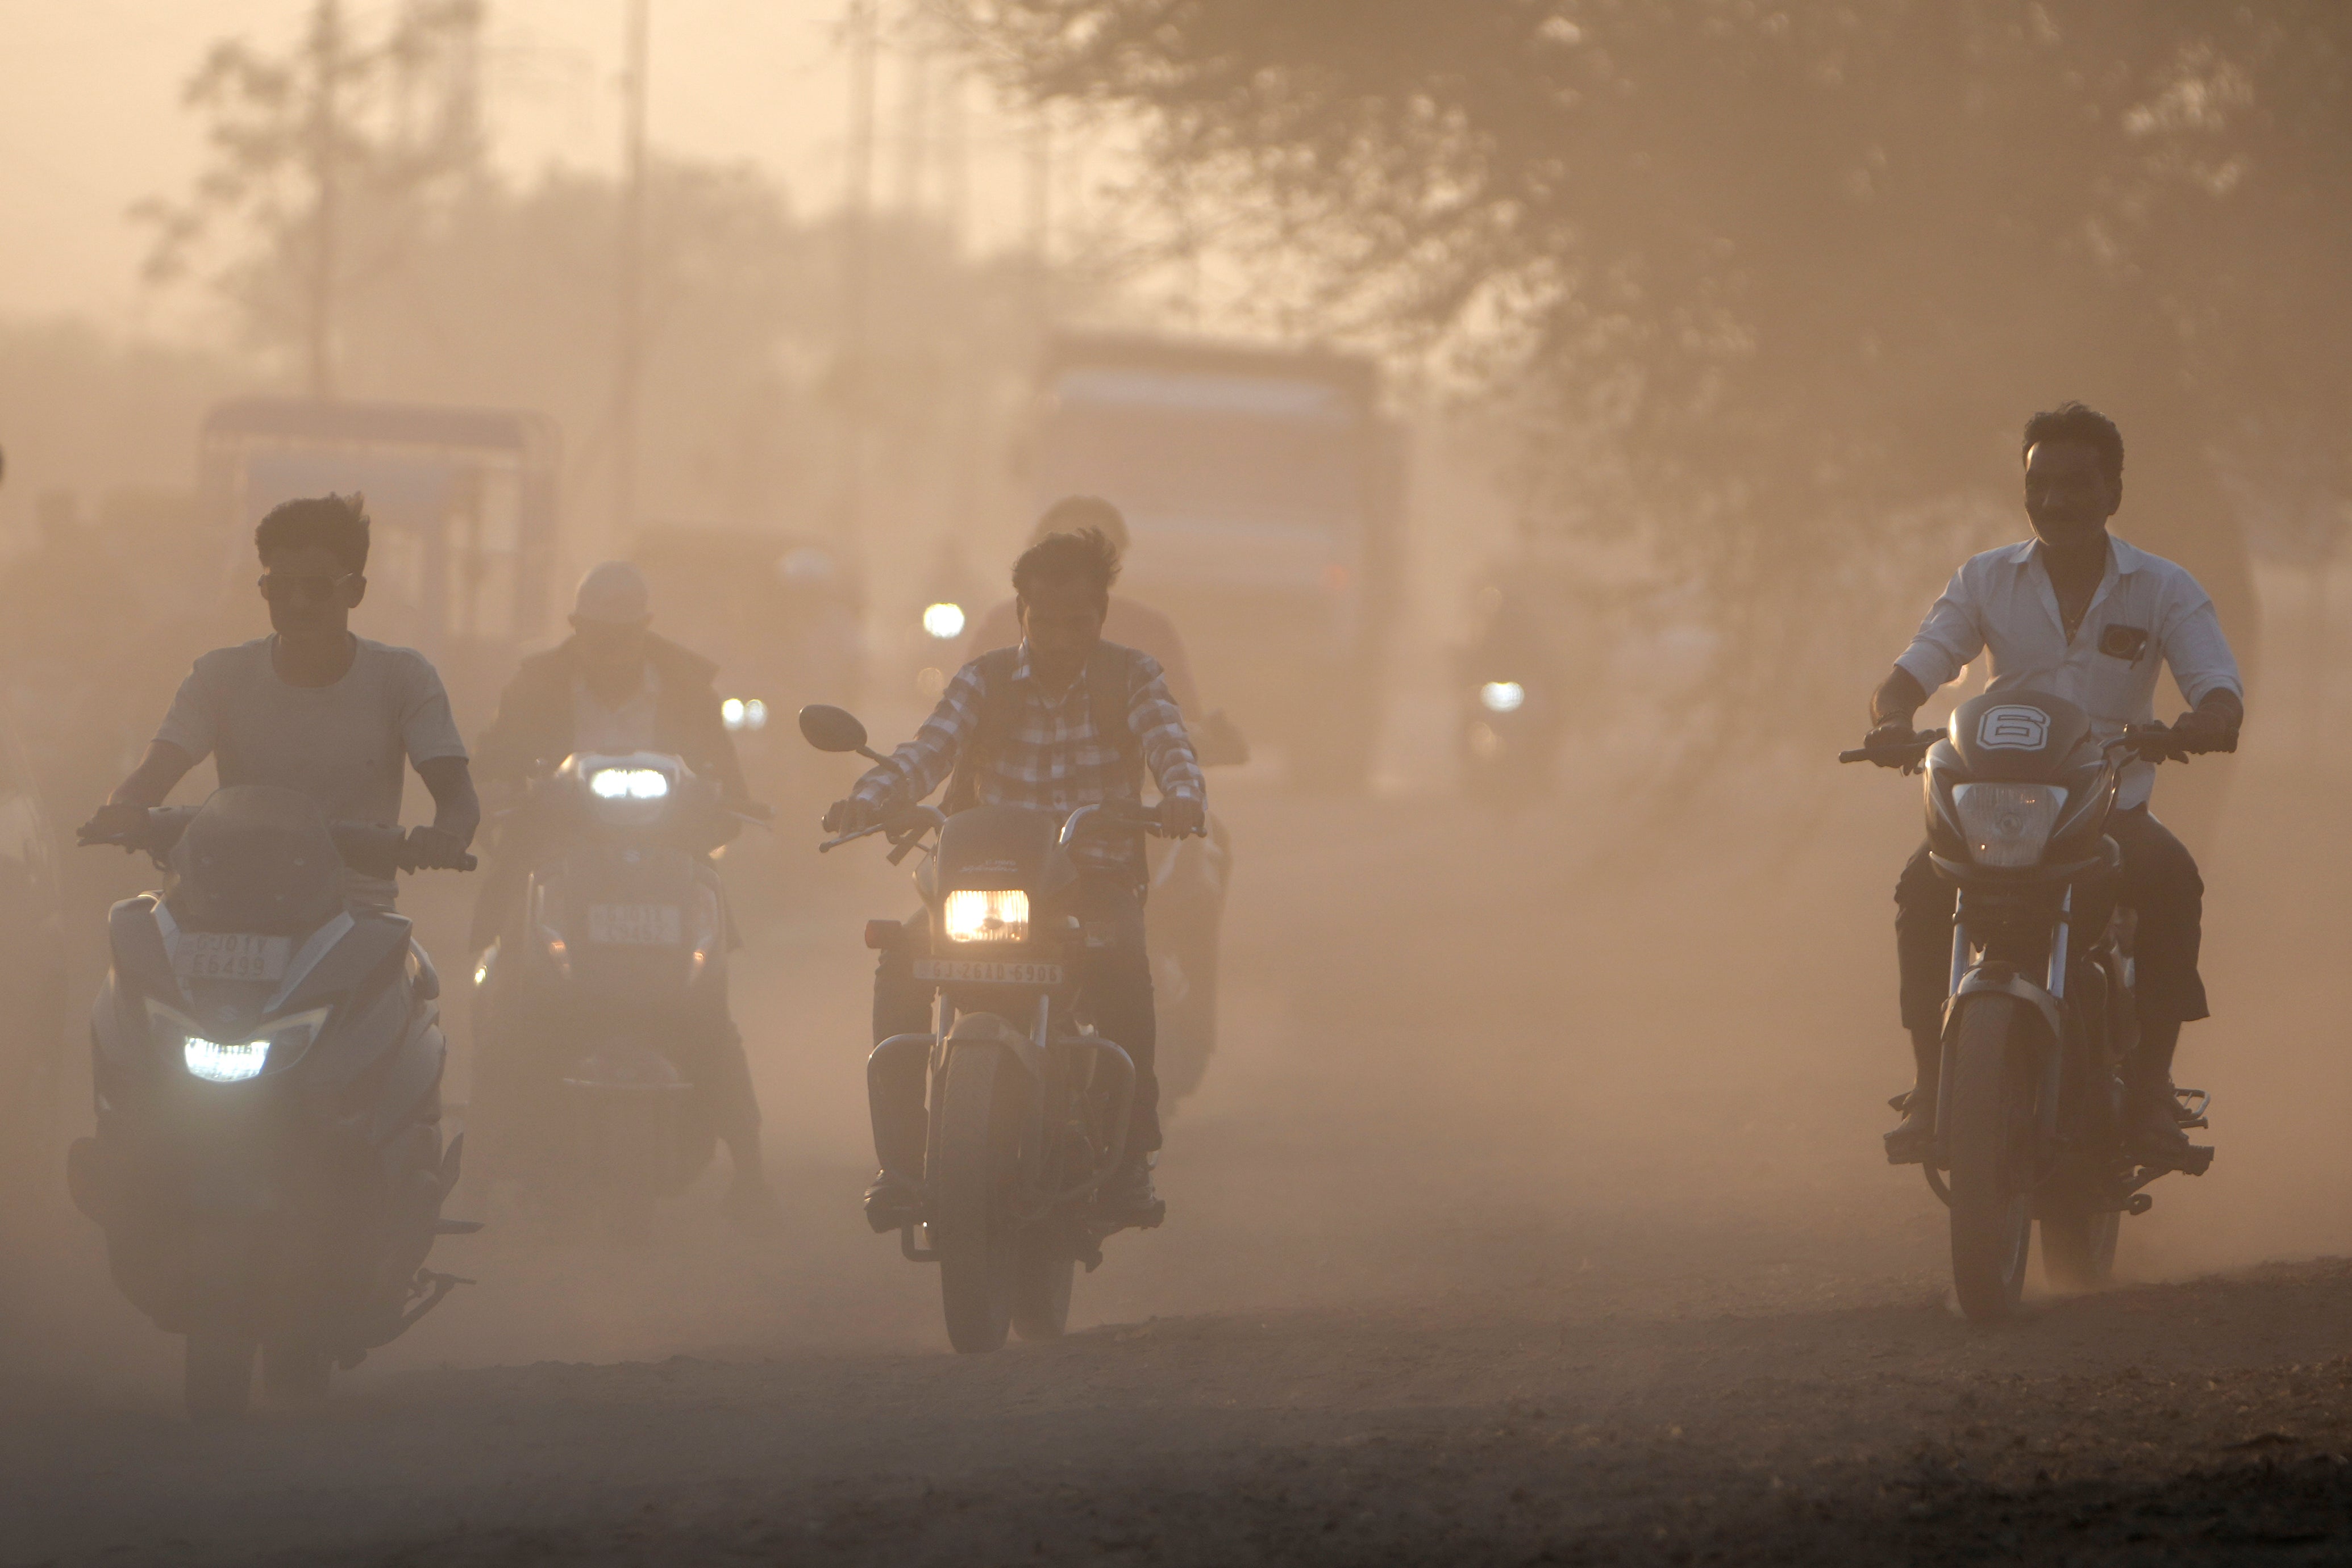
(2147, 610)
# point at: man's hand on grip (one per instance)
(1182, 816)
(853, 814)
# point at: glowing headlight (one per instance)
(217, 1063)
(975, 916)
(1502, 696)
(944, 622)
(2008, 825)
(629, 783)
(742, 713)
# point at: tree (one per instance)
(324, 152)
(1779, 282)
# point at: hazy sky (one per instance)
(90, 118)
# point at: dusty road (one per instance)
(1532, 1213)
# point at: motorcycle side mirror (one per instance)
(830, 728)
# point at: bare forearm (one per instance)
(456, 811)
(151, 782)
(1898, 698)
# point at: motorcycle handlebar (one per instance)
(1910, 750)
(375, 848)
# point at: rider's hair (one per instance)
(1086, 557)
(1072, 513)
(2071, 420)
(338, 523)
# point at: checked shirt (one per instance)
(1056, 755)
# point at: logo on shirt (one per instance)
(2013, 727)
(2127, 643)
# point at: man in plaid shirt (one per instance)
(1023, 727)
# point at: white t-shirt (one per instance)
(346, 746)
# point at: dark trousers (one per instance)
(2159, 879)
(1115, 990)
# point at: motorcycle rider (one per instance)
(2086, 617)
(1129, 625)
(613, 686)
(1021, 726)
(312, 707)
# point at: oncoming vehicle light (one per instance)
(1502, 696)
(217, 1063)
(744, 712)
(943, 621)
(629, 783)
(2008, 825)
(976, 917)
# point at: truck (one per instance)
(1262, 488)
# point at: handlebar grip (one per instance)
(1860, 754)
(899, 851)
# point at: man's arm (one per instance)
(918, 766)
(1896, 700)
(2207, 673)
(149, 785)
(456, 812)
(1151, 713)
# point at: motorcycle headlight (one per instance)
(944, 621)
(629, 784)
(2007, 825)
(1502, 696)
(743, 713)
(976, 917)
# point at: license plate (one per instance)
(231, 956)
(637, 924)
(987, 972)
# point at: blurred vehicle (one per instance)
(1263, 490)
(1184, 920)
(1029, 1107)
(463, 503)
(266, 1063)
(2030, 1120)
(1509, 734)
(779, 616)
(33, 999)
(591, 1006)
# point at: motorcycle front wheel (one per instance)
(2078, 1250)
(971, 1194)
(1991, 1119)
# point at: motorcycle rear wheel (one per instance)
(217, 1374)
(1991, 1119)
(2078, 1250)
(978, 1167)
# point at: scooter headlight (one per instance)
(973, 915)
(216, 1062)
(2008, 826)
(246, 1055)
(629, 784)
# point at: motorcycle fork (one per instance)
(2054, 1063)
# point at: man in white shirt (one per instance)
(312, 707)
(2086, 618)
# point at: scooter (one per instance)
(268, 1167)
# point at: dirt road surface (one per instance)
(1532, 1212)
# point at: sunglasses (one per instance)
(279, 585)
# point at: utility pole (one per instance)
(630, 357)
(326, 64)
(857, 256)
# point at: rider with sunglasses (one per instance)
(312, 707)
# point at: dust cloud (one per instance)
(1559, 1103)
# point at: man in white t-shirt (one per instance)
(312, 707)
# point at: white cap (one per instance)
(614, 594)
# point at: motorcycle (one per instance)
(268, 1167)
(612, 963)
(2030, 1118)
(1029, 1107)
(1507, 741)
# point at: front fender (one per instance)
(2000, 980)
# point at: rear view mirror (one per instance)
(831, 729)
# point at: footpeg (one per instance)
(2191, 1107)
